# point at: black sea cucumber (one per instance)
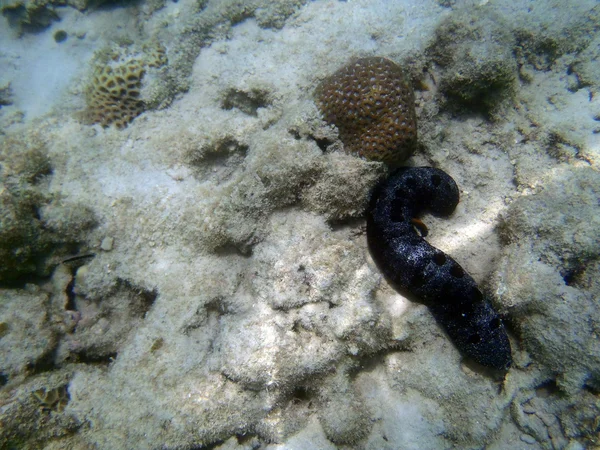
(413, 266)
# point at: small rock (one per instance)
(6, 94)
(107, 244)
(528, 439)
(574, 445)
(60, 36)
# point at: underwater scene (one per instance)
(295, 224)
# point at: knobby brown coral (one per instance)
(371, 101)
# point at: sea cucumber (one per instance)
(414, 267)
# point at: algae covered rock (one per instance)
(29, 16)
(343, 415)
(34, 16)
(585, 69)
(330, 195)
(34, 414)
(474, 52)
(544, 38)
(23, 163)
(548, 275)
(34, 226)
(27, 338)
(102, 323)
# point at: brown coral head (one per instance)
(371, 101)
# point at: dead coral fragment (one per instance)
(156, 55)
(52, 399)
(371, 101)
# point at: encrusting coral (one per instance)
(115, 93)
(115, 97)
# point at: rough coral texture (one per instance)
(114, 96)
(371, 102)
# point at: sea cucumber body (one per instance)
(414, 267)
